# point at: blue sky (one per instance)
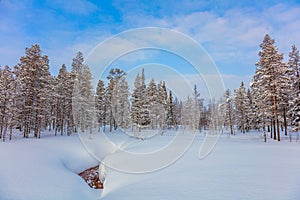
(230, 31)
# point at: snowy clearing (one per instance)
(239, 167)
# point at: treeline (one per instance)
(150, 106)
(272, 102)
(32, 100)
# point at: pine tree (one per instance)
(61, 108)
(198, 107)
(294, 101)
(7, 104)
(145, 120)
(170, 113)
(241, 103)
(152, 95)
(187, 120)
(296, 115)
(260, 108)
(251, 112)
(60, 97)
(216, 114)
(34, 76)
(112, 90)
(88, 115)
(177, 110)
(83, 96)
(69, 83)
(136, 102)
(270, 76)
(162, 104)
(228, 109)
(101, 104)
(122, 103)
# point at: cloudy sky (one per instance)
(230, 31)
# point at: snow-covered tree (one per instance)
(241, 103)
(177, 110)
(228, 111)
(7, 102)
(252, 113)
(187, 118)
(198, 107)
(152, 95)
(83, 97)
(61, 103)
(170, 111)
(112, 90)
(33, 74)
(136, 102)
(294, 101)
(122, 104)
(270, 79)
(101, 104)
(145, 120)
(216, 114)
(162, 102)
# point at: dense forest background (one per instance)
(32, 100)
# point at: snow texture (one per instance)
(239, 167)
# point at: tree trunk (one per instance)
(271, 129)
(274, 129)
(285, 122)
(10, 130)
(278, 128)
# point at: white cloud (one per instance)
(232, 38)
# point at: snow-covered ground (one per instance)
(239, 167)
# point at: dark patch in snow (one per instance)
(91, 177)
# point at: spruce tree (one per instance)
(145, 120)
(229, 112)
(241, 103)
(112, 90)
(83, 96)
(136, 102)
(294, 66)
(270, 76)
(101, 104)
(7, 104)
(170, 113)
(34, 76)
(152, 95)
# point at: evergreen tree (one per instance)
(177, 110)
(7, 104)
(252, 113)
(61, 99)
(101, 104)
(83, 97)
(162, 102)
(34, 76)
(228, 110)
(198, 107)
(187, 119)
(112, 90)
(241, 103)
(152, 95)
(216, 114)
(270, 74)
(136, 102)
(170, 113)
(294, 66)
(122, 103)
(145, 120)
